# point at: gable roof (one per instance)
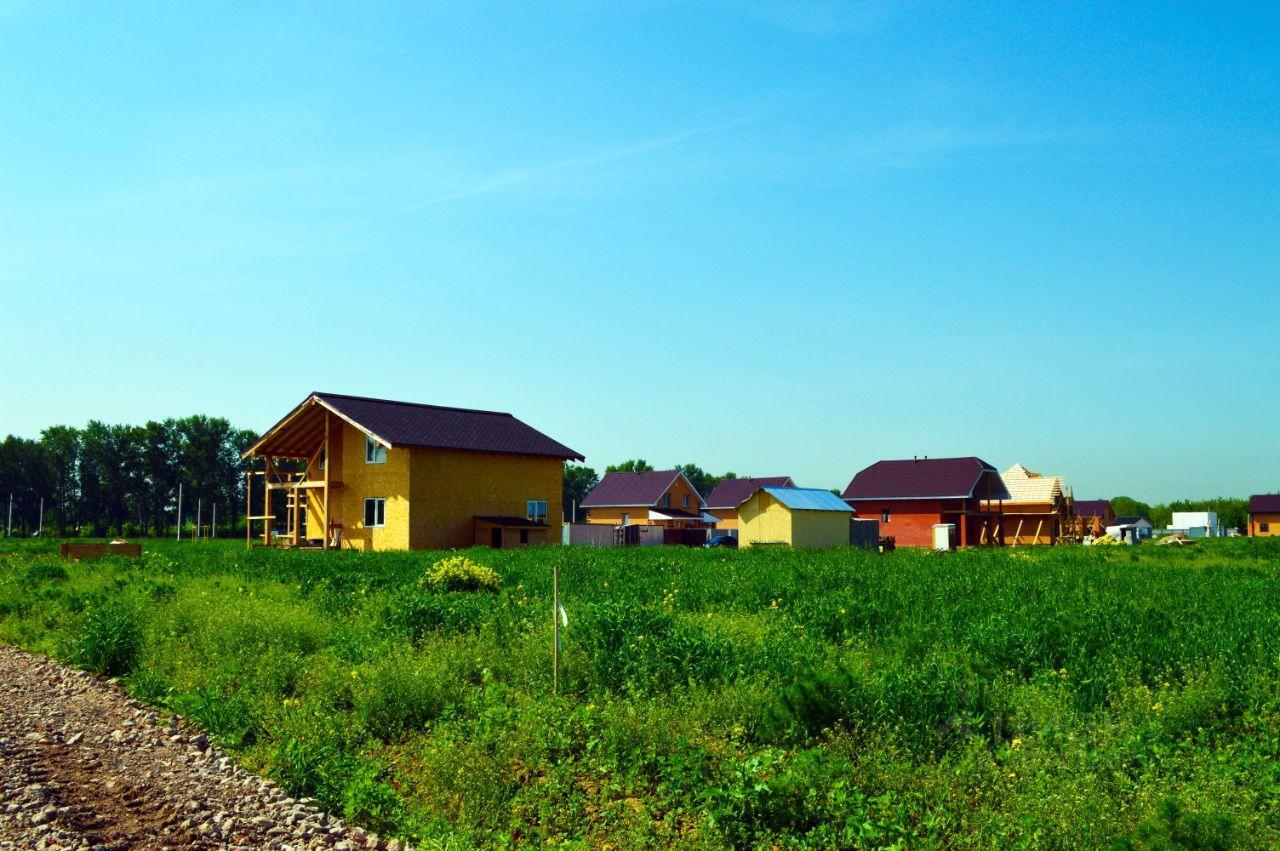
(625, 489)
(409, 424)
(1264, 503)
(1130, 521)
(807, 499)
(1027, 487)
(925, 478)
(1092, 507)
(731, 493)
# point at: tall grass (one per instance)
(1065, 698)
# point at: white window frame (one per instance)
(531, 512)
(379, 507)
(626, 518)
(374, 452)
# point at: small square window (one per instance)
(686, 500)
(375, 512)
(1264, 527)
(374, 452)
(536, 510)
(884, 516)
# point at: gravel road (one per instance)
(85, 766)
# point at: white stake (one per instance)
(215, 520)
(555, 628)
(40, 533)
(199, 511)
(8, 529)
(179, 511)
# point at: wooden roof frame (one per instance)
(306, 405)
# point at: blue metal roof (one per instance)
(808, 499)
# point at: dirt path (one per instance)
(84, 766)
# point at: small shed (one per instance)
(800, 517)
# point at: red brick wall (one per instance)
(910, 520)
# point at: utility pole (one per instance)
(555, 628)
(214, 527)
(179, 511)
(8, 529)
(40, 528)
(199, 512)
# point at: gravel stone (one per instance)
(83, 766)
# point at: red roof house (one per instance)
(1264, 515)
(653, 498)
(909, 496)
(724, 500)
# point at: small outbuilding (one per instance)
(724, 499)
(800, 517)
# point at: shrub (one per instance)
(46, 571)
(419, 614)
(223, 711)
(110, 639)
(394, 696)
(459, 573)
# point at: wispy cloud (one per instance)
(513, 177)
(913, 145)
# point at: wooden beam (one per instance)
(325, 493)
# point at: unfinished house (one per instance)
(372, 474)
(1038, 509)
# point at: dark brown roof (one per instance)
(1264, 503)
(1092, 507)
(627, 489)
(730, 493)
(926, 478)
(513, 522)
(415, 425)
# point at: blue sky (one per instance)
(772, 237)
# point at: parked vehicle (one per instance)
(722, 541)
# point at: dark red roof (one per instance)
(437, 427)
(731, 493)
(925, 478)
(630, 488)
(1092, 507)
(1264, 503)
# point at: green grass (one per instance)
(1089, 697)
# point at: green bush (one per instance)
(110, 638)
(459, 573)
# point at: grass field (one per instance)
(1087, 697)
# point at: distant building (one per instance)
(724, 500)
(1130, 528)
(1264, 515)
(655, 498)
(1196, 524)
(801, 517)
(912, 495)
(1094, 515)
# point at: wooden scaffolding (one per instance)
(303, 436)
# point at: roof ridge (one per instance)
(412, 404)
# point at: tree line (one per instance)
(1232, 512)
(107, 479)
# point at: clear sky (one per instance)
(769, 237)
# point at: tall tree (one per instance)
(61, 448)
(634, 465)
(578, 482)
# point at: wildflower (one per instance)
(1015, 744)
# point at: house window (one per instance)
(1264, 527)
(536, 510)
(884, 516)
(686, 500)
(374, 452)
(375, 512)
(626, 518)
(666, 500)
(320, 461)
